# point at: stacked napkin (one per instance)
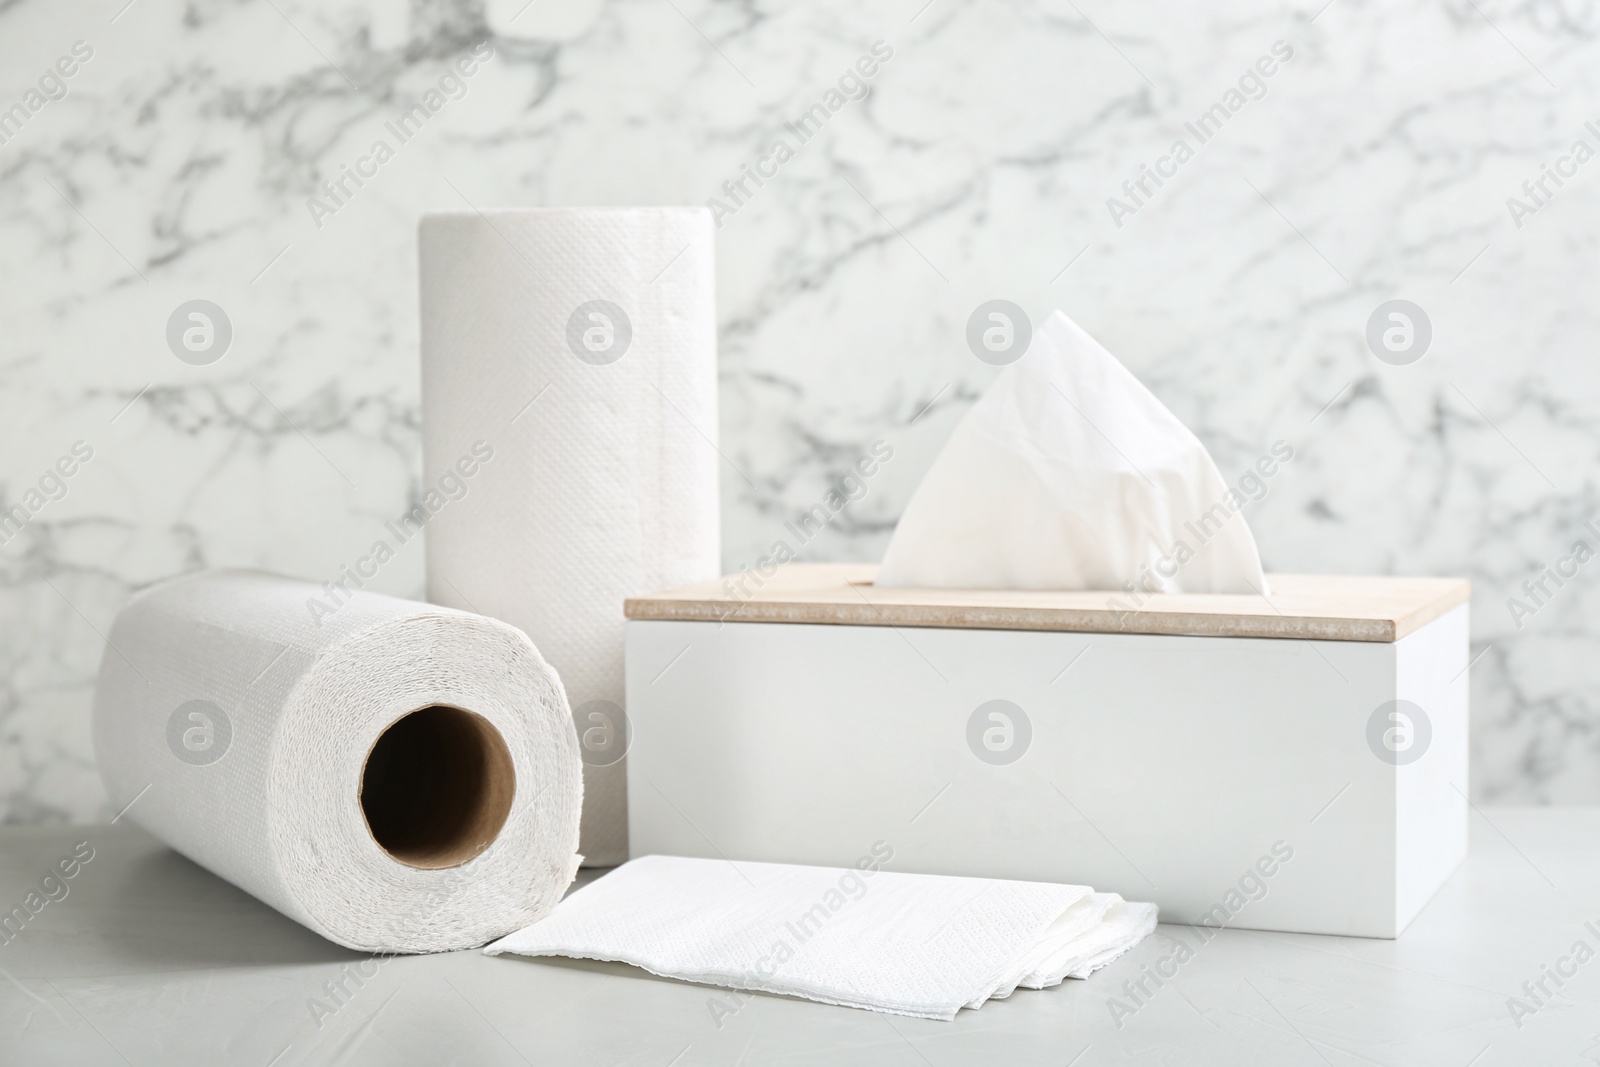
(911, 944)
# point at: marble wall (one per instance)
(178, 160)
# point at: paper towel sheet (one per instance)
(1069, 474)
(235, 723)
(580, 345)
(909, 944)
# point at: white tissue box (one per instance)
(1291, 763)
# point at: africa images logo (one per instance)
(1399, 732)
(199, 732)
(999, 732)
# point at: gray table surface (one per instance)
(149, 959)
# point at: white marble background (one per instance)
(1378, 165)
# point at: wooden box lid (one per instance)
(1322, 607)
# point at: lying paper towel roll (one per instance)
(580, 346)
(396, 776)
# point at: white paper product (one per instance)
(1086, 937)
(579, 346)
(396, 776)
(908, 944)
(1069, 474)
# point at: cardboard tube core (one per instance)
(437, 787)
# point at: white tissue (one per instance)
(1069, 474)
(603, 481)
(909, 944)
(235, 724)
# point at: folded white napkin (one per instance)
(1069, 474)
(912, 944)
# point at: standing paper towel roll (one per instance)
(396, 776)
(580, 344)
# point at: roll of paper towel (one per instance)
(579, 346)
(396, 776)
